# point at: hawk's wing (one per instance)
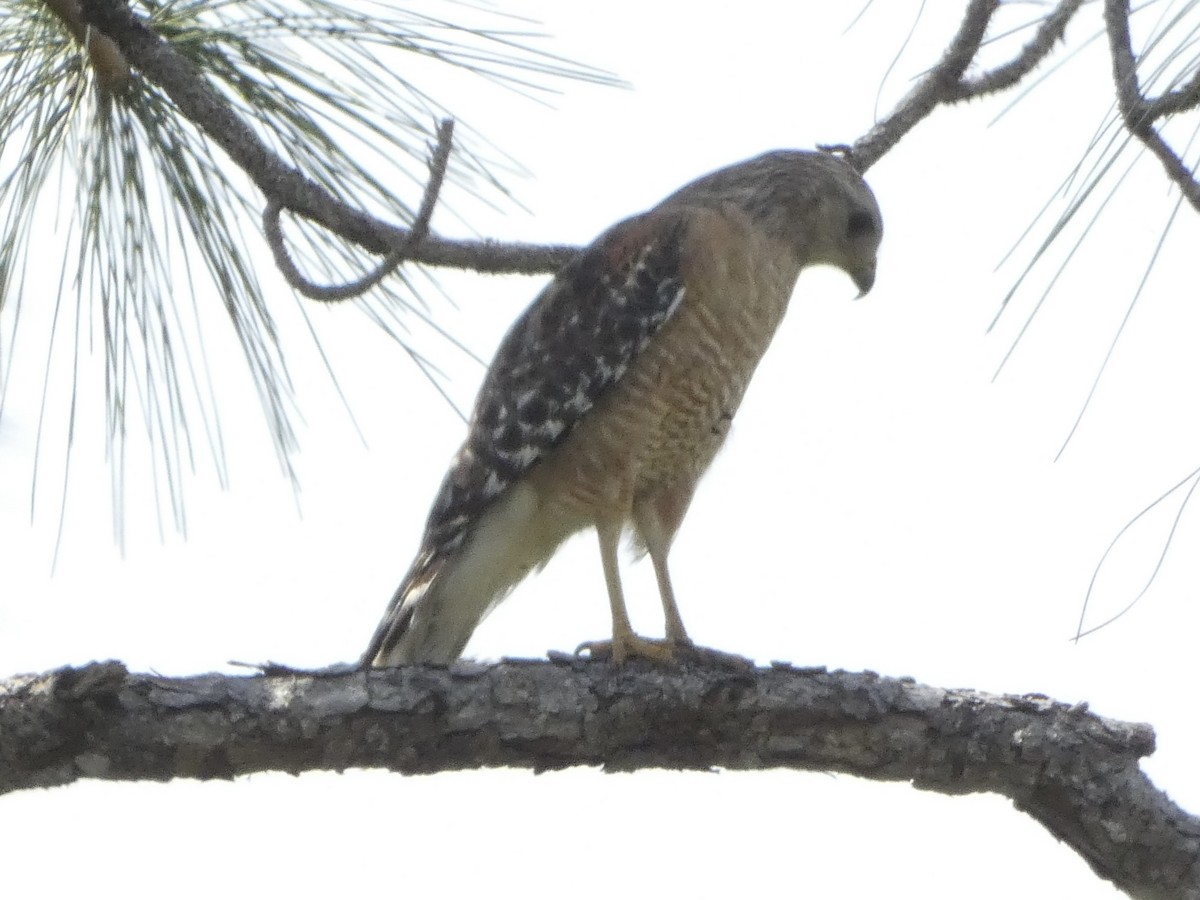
(571, 345)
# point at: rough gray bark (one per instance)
(1073, 771)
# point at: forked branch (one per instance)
(1140, 113)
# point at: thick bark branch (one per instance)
(1073, 771)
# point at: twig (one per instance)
(1179, 100)
(418, 232)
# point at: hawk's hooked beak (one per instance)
(863, 279)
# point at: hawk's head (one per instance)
(815, 202)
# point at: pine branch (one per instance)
(284, 185)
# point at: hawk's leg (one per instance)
(624, 644)
(657, 519)
(676, 633)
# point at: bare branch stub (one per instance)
(1140, 113)
(107, 61)
(418, 232)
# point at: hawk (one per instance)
(612, 393)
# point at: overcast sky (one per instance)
(883, 503)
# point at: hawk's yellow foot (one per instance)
(628, 646)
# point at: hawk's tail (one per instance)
(395, 640)
(449, 590)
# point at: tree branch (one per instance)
(1073, 771)
(945, 83)
(287, 188)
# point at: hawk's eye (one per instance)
(861, 224)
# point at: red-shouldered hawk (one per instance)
(612, 393)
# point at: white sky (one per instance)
(882, 504)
